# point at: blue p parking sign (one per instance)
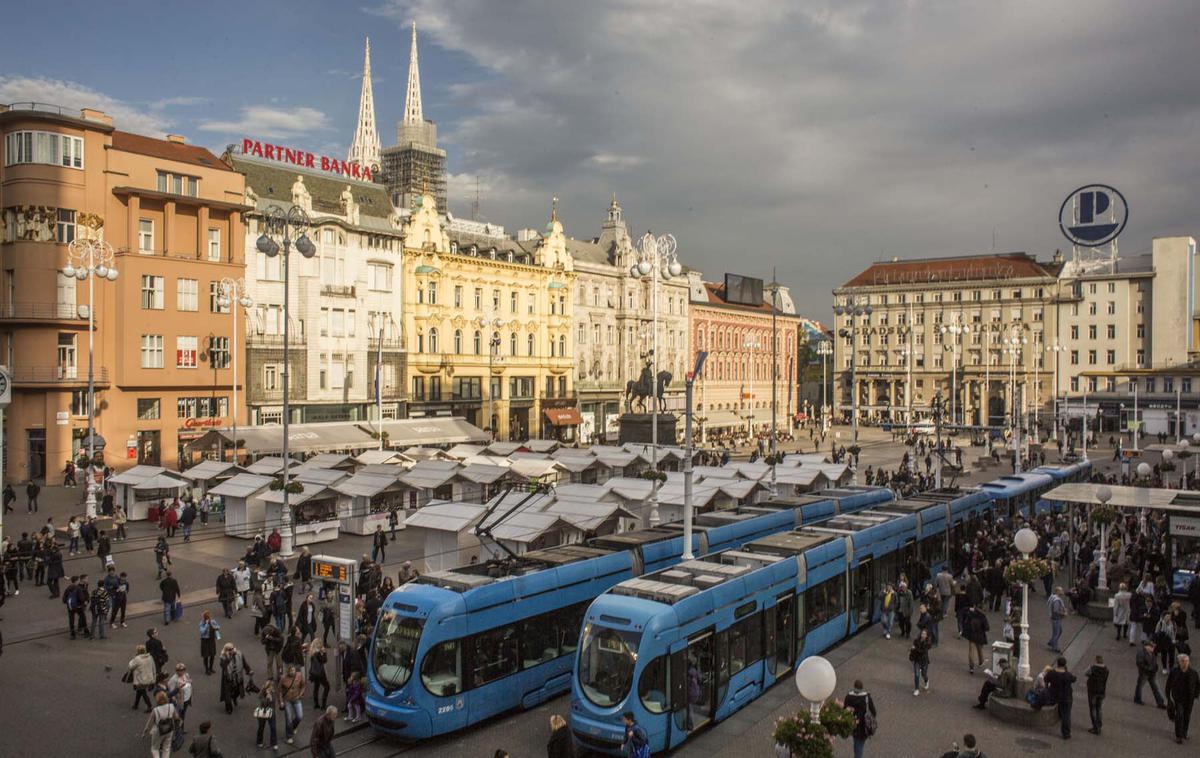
(1093, 215)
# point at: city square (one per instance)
(478, 440)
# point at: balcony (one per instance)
(391, 344)
(338, 290)
(56, 375)
(42, 312)
(255, 339)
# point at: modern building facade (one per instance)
(415, 165)
(614, 322)
(345, 303)
(173, 215)
(948, 325)
(734, 389)
(488, 322)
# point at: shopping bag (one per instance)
(178, 612)
(239, 603)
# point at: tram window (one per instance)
(441, 672)
(652, 687)
(495, 655)
(570, 623)
(824, 601)
(745, 643)
(933, 549)
(539, 640)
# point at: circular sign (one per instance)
(4, 387)
(1093, 215)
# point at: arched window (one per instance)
(529, 346)
(551, 347)
(458, 341)
(562, 345)
(512, 344)
(428, 237)
(433, 340)
(478, 343)
(420, 342)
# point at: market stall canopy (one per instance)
(329, 460)
(367, 485)
(446, 430)
(588, 516)
(462, 452)
(483, 473)
(325, 476)
(418, 453)
(1127, 497)
(206, 470)
(504, 448)
(163, 481)
(543, 446)
(242, 485)
(535, 469)
(302, 438)
(722, 419)
(270, 466)
(308, 491)
(137, 474)
(447, 517)
(563, 416)
(378, 457)
(430, 474)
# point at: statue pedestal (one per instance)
(635, 427)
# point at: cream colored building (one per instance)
(614, 321)
(345, 303)
(489, 326)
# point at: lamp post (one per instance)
(1014, 347)
(493, 351)
(750, 345)
(854, 308)
(816, 680)
(1104, 494)
(824, 349)
(87, 260)
(1026, 541)
(280, 230)
(956, 329)
(774, 379)
(1057, 349)
(1184, 453)
(655, 258)
(233, 295)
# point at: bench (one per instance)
(1014, 710)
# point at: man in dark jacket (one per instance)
(379, 544)
(54, 568)
(186, 519)
(975, 629)
(272, 642)
(304, 569)
(321, 741)
(227, 591)
(76, 611)
(203, 745)
(170, 594)
(1097, 681)
(1059, 682)
(155, 648)
(1183, 688)
(1147, 668)
(31, 493)
(103, 548)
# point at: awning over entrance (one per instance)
(722, 419)
(564, 416)
(442, 430)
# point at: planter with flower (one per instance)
(1026, 571)
(803, 736)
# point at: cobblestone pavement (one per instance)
(47, 679)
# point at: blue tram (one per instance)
(456, 647)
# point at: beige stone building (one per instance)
(172, 213)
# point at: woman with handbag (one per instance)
(861, 702)
(210, 632)
(161, 726)
(234, 669)
(264, 714)
(141, 676)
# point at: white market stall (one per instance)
(208, 474)
(245, 510)
(366, 500)
(314, 511)
(137, 501)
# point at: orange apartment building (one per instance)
(172, 213)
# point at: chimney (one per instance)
(178, 139)
(91, 114)
(1058, 256)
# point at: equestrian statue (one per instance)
(644, 387)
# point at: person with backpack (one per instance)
(161, 726)
(863, 705)
(1096, 678)
(637, 742)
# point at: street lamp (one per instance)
(1104, 493)
(90, 259)
(816, 680)
(956, 329)
(232, 295)
(655, 258)
(774, 286)
(751, 346)
(1057, 349)
(493, 350)
(1014, 346)
(1026, 541)
(854, 308)
(824, 349)
(280, 229)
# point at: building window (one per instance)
(458, 341)
(64, 228)
(186, 349)
(149, 409)
(1091, 309)
(270, 377)
(435, 388)
(562, 346)
(1074, 357)
(478, 298)
(1092, 288)
(214, 244)
(216, 302)
(1111, 331)
(1168, 384)
(1091, 331)
(1185, 384)
(1074, 384)
(152, 351)
(1092, 383)
(1110, 384)
(1141, 358)
(1141, 307)
(178, 184)
(1149, 384)
(420, 342)
(512, 344)
(433, 340)
(186, 295)
(218, 352)
(529, 346)
(201, 407)
(1074, 332)
(512, 302)
(477, 343)
(152, 293)
(433, 293)
(1112, 308)
(458, 296)
(1112, 287)
(145, 235)
(43, 147)
(1141, 331)
(532, 305)
(1110, 357)
(418, 388)
(1091, 357)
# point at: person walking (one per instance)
(918, 654)
(637, 742)
(560, 745)
(227, 592)
(119, 521)
(203, 745)
(161, 726)
(318, 674)
(1147, 671)
(186, 519)
(54, 568)
(120, 599)
(241, 581)
(1059, 684)
(1164, 640)
(1120, 612)
(210, 633)
(975, 630)
(1057, 607)
(291, 693)
(321, 739)
(272, 642)
(31, 494)
(169, 588)
(141, 676)
(74, 529)
(264, 714)
(99, 604)
(379, 544)
(904, 609)
(234, 671)
(887, 609)
(162, 556)
(76, 598)
(1096, 678)
(306, 618)
(104, 550)
(156, 649)
(304, 569)
(1183, 689)
(863, 705)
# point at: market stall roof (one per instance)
(418, 453)
(378, 457)
(671, 493)
(629, 488)
(738, 489)
(588, 493)
(665, 452)
(504, 448)
(163, 481)
(270, 465)
(486, 460)
(586, 516)
(242, 485)
(447, 517)
(464, 451)
(430, 474)
(573, 452)
(1155, 498)
(302, 438)
(483, 473)
(543, 446)
(308, 491)
(442, 430)
(800, 459)
(615, 458)
(805, 476)
(576, 464)
(137, 474)
(527, 525)
(328, 460)
(205, 470)
(535, 469)
(325, 476)
(367, 485)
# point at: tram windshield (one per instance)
(606, 664)
(395, 650)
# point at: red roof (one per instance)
(960, 269)
(172, 151)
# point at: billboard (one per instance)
(744, 290)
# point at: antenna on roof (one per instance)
(475, 205)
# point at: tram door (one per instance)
(781, 635)
(863, 588)
(698, 664)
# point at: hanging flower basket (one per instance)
(1166, 466)
(805, 737)
(1026, 571)
(293, 487)
(838, 720)
(1104, 514)
(659, 475)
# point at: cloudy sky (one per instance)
(815, 137)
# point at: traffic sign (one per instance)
(5, 387)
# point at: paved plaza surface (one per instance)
(64, 697)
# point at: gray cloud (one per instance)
(820, 136)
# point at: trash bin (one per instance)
(1001, 649)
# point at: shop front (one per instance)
(1183, 550)
(560, 422)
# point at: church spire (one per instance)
(412, 101)
(365, 148)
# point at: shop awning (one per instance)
(722, 420)
(442, 430)
(302, 438)
(564, 416)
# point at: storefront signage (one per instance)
(305, 159)
(1182, 526)
(196, 423)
